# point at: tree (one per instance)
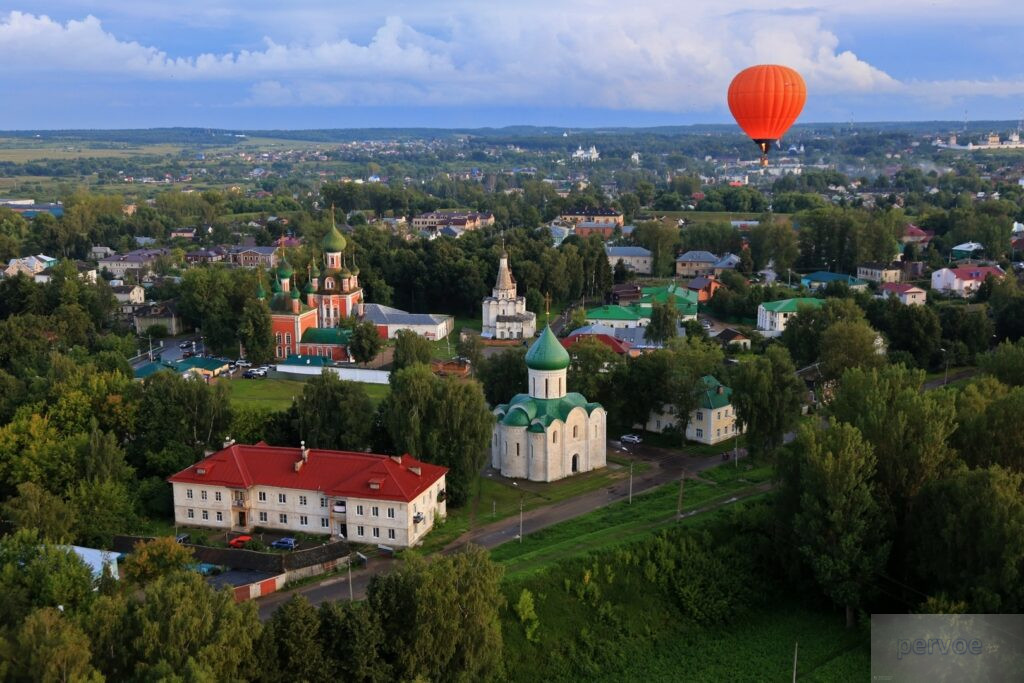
(255, 333)
(767, 396)
(356, 639)
(36, 508)
(365, 342)
(663, 322)
(916, 330)
(334, 414)
(49, 646)
(802, 335)
(968, 539)
(290, 647)
(503, 375)
(151, 560)
(911, 427)
(849, 344)
(660, 239)
(1005, 363)
(103, 508)
(415, 604)
(591, 369)
(838, 526)
(471, 347)
(692, 359)
(410, 348)
(35, 574)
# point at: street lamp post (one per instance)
(945, 375)
(521, 496)
(631, 482)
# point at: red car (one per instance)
(239, 541)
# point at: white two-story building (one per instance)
(362, 497)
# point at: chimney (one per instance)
(397, 458)
(418, 471)
(305, 452)
(228, 442)
(720, 389)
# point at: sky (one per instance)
(469, 63)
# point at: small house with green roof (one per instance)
(548, 433)
(616, 317)
(712, 421)
(772, 316)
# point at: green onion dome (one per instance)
(334, 241)
(284, 270)
(547, 353)
(275, 286)
(296, 294)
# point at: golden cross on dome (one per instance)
(547, 308)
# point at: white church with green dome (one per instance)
(548, 433)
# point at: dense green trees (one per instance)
(767, 396)
(334, 414)
(411, 348)
(365, 342)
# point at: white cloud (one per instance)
(665, 56)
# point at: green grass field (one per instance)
(623, 522)
(277, 394)
(20, 150)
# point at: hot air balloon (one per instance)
(765, 100)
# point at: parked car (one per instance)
(187, 354)
(186, 344)
(630, 438)
(251, 374)
(182, 538)
(243, 363)
(239, 541)
(706, 324)
(286, 543)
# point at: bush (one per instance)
(157, 331)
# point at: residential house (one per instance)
(915, 235)
(585, 229)
(253, 257)
(362, 497)
(129, 296)
(730, 337)
(705, 286)
(608, 216)
(727, 262)
(164, 313)
(963, 281)
(624, 293)
(772, 316)
(713, 421)
(907, 294)
(214, 255)
(694, 263)
(968, 250)
(821, 279)
(601, 333)
(97, 252)
(183, 233)
(614, 316)
(435, 221)
(390, 320)
(29, 266)
(139, 262)
(684, 300)
(879, 272)
(636, 259)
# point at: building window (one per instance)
(202, 494)
(302, 500)
(391, 513)
(216, 495)
(575, 432)
(554, 436)
(287, 338)
(546, 389)
(323, 502)
(206, 514)
(282, 498)
(220, 516)
(391, 534)
(376, 532)
(700, 416)
(191, 513)
(188, 493)
(700, 433)
(303, 520)
(324, 522)
(359, 531)
(359, 509)
(263, 516)
(718, 415)
(375, 511)
(517, 448)
(262, 495)
(283, 518)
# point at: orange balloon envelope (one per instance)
(765, 100)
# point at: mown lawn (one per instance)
(277, 394)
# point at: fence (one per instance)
(365, 375)
(271, 563)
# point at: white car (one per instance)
(630, 438)
(242, 363)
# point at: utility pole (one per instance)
(679, 503)
(350, 598)
(521, 517)
(736, 447)
(796, 646)
(630, 483)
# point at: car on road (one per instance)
(706, 324)
(182, 538)
(186, 344)
(243, 363)
(630, 438)
(286, 543)
(239, 541)
(252, 374)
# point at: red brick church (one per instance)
(306, 323)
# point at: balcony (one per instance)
(340, 509)
(240, 503)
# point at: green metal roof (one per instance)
(613, 312)
(541, 411)
(792, 305)
(326, 335)
(151, 368)
(663, 293)
(710, 397)
(334, 241)
(317, 361)
(200, 363)
(284, 269)
(547, 353)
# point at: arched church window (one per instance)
(547, 391)
(329, 283)
(575, 431)
(554, 436)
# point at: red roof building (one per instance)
(362, 497)
(617, 345)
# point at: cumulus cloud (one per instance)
(670, 56)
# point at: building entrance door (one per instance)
(241, 519)
(576, 463)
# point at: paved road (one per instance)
(665, 466)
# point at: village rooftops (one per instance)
(695, 256)
(792, 305)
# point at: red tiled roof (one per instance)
(616, 345)
(977, 272)
(335, 473)
(897, 288)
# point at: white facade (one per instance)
(504, 312)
